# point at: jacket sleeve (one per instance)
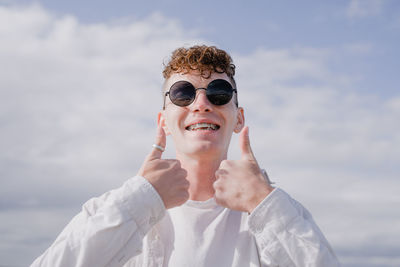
(109, 230)
(286, 234)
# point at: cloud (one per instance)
(324, 143)
(78, 104)
(364, 8)
(73, 85)
(309, 106)
(31, 231)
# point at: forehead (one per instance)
(194, 78)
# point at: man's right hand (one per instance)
(165, 175)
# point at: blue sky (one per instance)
(242, 27)
(318, 81)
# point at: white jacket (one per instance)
(129, 227)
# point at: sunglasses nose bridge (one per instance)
(201, 88)
(201, 101)
(198, 92)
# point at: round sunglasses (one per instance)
(182, 93)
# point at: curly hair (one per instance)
(202, 58)
(205, 59)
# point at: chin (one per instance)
(204, 149)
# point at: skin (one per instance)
(201, 169)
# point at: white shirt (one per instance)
(130, 227)
(201, 229)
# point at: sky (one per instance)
(80, 89)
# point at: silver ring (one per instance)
(159, 147)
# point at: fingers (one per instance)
(244, 142)
(161, 140)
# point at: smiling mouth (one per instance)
(202, 126)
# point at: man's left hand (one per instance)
(240, 184)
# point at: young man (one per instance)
(199, 209)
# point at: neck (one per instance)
(201, 175)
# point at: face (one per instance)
(188, 125)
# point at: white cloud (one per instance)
(332, 148)
(69, 81)
(308, 106)
(364, 8)
(78, 104)
(30, 231)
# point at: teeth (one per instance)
(202, 126)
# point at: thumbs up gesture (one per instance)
(165, 175)
(240, 184)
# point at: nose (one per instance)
(201, 103)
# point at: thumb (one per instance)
(161, 141)
(244, 141)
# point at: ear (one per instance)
(240, 120)
(161, 122)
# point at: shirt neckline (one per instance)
(206, 204)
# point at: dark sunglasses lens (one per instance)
(219, 92)
(182, 93)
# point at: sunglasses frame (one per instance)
(234, 90)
